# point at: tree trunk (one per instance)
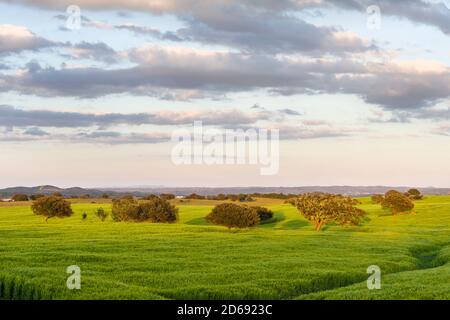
(319, 225)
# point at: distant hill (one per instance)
(69, 192)
(347, 190)
(141, 191)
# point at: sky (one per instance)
(92, 95)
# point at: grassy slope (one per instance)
(284, 259)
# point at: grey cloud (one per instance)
(15, 117)
(15, 39)
(152, 32)
(425, 12)
(290, 112)
(95, 51)
(35, 131)
(163, 72)
(217, 11)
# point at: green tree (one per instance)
(101, 214)
(377, 198)
(20, 197)
(155, 210)
(397, 202)
(232, 215)
(52, 206)
(263, 213)
(321, 209)
(414, 194)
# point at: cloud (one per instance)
(433, 13)
(147, 31)
(35, 131)
(290, 112)
(98, 51)
(15, 39)
(251, 26)
(219, 13)
(14, 117)
(184, 73)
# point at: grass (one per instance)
(282, 259)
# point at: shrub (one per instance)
(167, 196)
(51, 206)
(321, 209)
(414, 194)
(84, 216)
(36, 196)
(19, 197)
(158, 210)
(233, 216)
(124, 209)
(101, 214)
(195, 196)
(377, 199)
(155, 210)
(263, 213)
(150, 197)
(397, 202)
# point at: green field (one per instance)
(282, 259)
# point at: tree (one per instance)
(105, 196)
(52, 206)
(232, 215)
(158, 210)
(377, 198)
(321, 209)
(124, 209)
(397, 202)
(36, 196)
(167, 196)
(263, 213)
(155, 210)
(414, 194)
(19, 197)
(101, 214)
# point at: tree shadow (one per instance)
(277, 217)
(197, 222)
(295, 224)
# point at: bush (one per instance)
(124, 209)
(101, 214)
(19, 197)
(414, 194)
(321, 209)
(377, 199)
(158, 210)
(36, 196)
(397, 202)
(167, 196)
(263, 213)
(155, 210)
(51, 206)
(84, 216)
(233, 216)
